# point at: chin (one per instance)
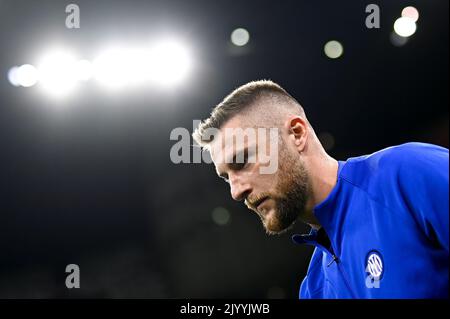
(275, 228)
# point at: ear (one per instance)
(297, 130)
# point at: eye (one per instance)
(239, 166)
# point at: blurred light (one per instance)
(240, 37)
(410, 12)
(110, 68)
(83, 70)
(27, 75)
(57, 73)
(221, 216)
(404, 26)
(13, 76)
(397, 40)
(165, 63)
(168, 63)
(333, 49)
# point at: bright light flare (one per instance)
(13, 76)
(83, 70)
(405, 27)
(110, 68)
(57, 73)
(240, 37)
(26, 75)
(166, 63)
(411, 12)
(169, 62)
(333, 49)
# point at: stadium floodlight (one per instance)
(26, 75)
(111, 68)
(83, 70)
(57, 72)
(165, 64)
(169, 62)
(13, 76)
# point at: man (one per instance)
(379, 222)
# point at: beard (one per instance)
(293, 187)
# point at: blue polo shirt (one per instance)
(385, 228)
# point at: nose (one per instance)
(239, 188)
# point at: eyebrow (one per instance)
(244, 151)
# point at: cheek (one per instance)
(268, 182)
(264, 182)
(283, 179)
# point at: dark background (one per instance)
(88, 179)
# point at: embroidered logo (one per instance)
(374, 269)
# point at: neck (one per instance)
(323, 177)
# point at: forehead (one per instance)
(234, 136)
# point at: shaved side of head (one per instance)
(258, 103)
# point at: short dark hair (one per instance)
(238, 100)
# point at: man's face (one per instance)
(278, 198)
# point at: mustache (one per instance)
(254, 201)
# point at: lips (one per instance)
(258, 203)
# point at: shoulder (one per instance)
(395, 162)
(413, 153)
